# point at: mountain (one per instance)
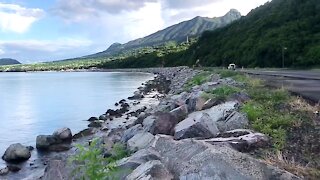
(179, 32)
(8, 61)
(280, 31)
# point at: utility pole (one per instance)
(283, 51)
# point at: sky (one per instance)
(46, 30)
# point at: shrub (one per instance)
(91, 163)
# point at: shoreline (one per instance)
(183, 124)
(37, 163)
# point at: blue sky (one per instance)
(46, 30)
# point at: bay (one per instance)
(38, 103)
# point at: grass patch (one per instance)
(227, 73)
(198, 80)
(223, 92)
(91, 163)
(268, 112)
(220, 93)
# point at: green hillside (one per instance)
(8, 61)
(177, 33)
(281, 28)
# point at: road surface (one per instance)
(304, 83)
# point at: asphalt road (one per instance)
(304, 83)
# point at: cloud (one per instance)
(78, 10)
(37, 50)
(186, 4)
(16, 18)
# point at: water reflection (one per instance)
(38, 103)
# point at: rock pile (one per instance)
(184, 136)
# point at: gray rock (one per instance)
(180, 99)
(129, 133)
(140, 141)
(64, 134)
(14, 167)
(209, 86)
(103, 117)
(180, 113)
(193, 159)
(93, 119)
(57, 170)
(235, 120)
(243, 140)
(95, 124)
(220, 111)
(4, 171)
(140, 157)
(148, 122)
(210, 103)
(43, 142)
(140, 118)
(83, 133)
(152, 170)
(196, 126)
(16, 153)
(160, 123)
(51, 143)
(196, 101)
(35, 174)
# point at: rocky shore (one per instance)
(172, 133)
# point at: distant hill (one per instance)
(178, 33)
(280, 29)
(8, 61)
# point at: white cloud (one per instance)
(16, 18)
(1, 52)
(44, 50)
(79, 10)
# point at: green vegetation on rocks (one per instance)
(91, 163)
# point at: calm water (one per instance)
(38, 103)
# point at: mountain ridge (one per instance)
(8, 61)
(177, 32)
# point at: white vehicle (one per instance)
(232, 66)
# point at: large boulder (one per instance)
(60, 140)
(221, 111)
(140, 157)
(16, 153)
(129, 133)
(64, 134)
(210, 103)
(180, 99)
(140, 141)
(51, 143)
(196, 126)
(57, 170)
(160, 123)
(194, 159)
(44, 142)
(152, 170)
(235, 120)
(196, 101)
(180, 112)
(243, 140)
(4, 171)
(209, 86)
